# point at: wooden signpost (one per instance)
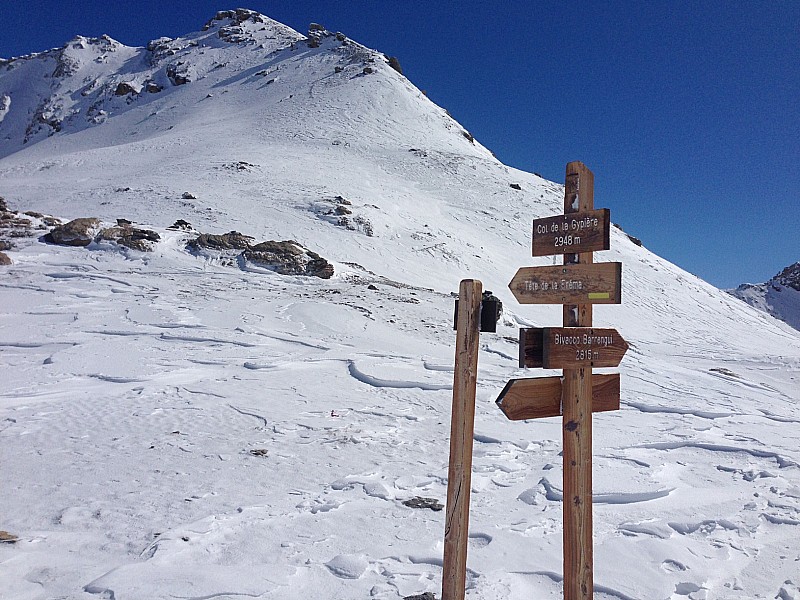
(462, 424)
(576, 348)
(476, 311)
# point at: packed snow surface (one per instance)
(181, 425)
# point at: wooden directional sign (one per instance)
(572, 233)
(585, 283)
(576, 348)
(570, 347)
(540, 397)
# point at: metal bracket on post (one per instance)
(491, 309)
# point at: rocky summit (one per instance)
(790, 277)
(779, 297)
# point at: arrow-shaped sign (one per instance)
(585, 283)
(570, 347)
(541, 397)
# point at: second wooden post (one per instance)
(459, 476)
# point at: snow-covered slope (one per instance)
(172, 424)
(780, 296)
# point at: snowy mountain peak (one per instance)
(779, 297)
(241, 21)
(104, 42)
(244, 26)
(94, 81)
(89, 80)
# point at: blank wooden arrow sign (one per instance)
(540, 397)
(570, 347)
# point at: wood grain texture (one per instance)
(462, 427)
(540, 397)
(577, 438)
(576, 431)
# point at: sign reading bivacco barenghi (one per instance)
(576, 348)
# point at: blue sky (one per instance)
(687, 112)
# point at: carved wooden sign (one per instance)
(572, 233)
(585, 283)
(570, 347)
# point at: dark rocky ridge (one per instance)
(779, 297)
(790, 276)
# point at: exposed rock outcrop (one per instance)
(4, 259)
(420, 502)
(181, 225)
(130, 237)
(180, 73)
(124, 88)
(790, 276)
(285, 258)
(16, 225)
(289, 258)
(232, 240)
(240, 15)
(78, 232)
(779, 297)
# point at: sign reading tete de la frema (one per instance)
(589, 283)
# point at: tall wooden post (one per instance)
(462, 426)
(576, 403)
(576, 348)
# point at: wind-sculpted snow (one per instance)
(201, 431)
(173, 425)
(393, 383)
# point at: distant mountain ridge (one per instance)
(780, 296)
(88, 79)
